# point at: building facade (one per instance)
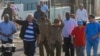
(28, 4)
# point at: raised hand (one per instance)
(59, 17)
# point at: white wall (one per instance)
(97, 7)
(59, 10)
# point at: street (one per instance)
(19, 48)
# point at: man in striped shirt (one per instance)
(29, 34)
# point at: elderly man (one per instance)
(81, 14)
(8, 11)
(7, 29)
(29, 34)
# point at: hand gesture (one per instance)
(59, 16)
(15, 18)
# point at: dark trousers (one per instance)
(84, 23)
(9, 41)
(68, 46)
(29, 48)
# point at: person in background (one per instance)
(37, 13)
(78, 35)
(69, 25)
(92, 33)
(73, 16)
(44, 8)
(7, 29)
(81, 14)
(8, 11)
(29, 34)
(56, 39)
(44, 26)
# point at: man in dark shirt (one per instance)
(8, 11)
(29, 34)
(37, 13)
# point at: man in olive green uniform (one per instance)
(44, 25)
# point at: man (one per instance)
(29, 34)
(37, 13)
(44, 25)
(8, 11)
(78, 34)
(56, 39)
(44, 8)
(81, 14)
(92, 36)
(69, 25)
(7, 29)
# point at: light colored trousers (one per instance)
(89, 47)
(80, 51)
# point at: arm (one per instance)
(73, 35)
(3, 13)
(76, 15)
(47, 9)
(62, 24)
(35, 15)
(13, 30)
(2, 34)
(37, 34)
(86, 14)
(97, 35)
(20, 22)
(86, 31)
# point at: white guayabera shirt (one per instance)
(81, 15)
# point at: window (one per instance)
(30, 6)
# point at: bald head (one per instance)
(6, 18)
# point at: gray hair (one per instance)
(30, 14)
(81, 5)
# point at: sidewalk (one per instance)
(19, 45)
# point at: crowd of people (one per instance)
(73, 31)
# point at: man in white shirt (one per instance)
(81, 14)
(69, 25)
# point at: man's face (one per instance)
(41, 2)
(6, 18)
(29, 18)
(81, 7)
(67, 16)
(8, 5)
(91, 19)
(56, 22)
(38, 8)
